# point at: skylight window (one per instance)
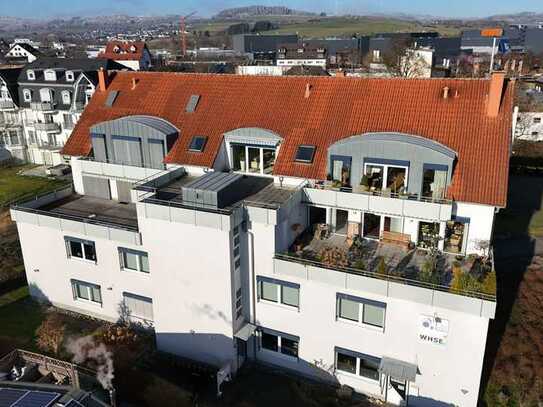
(305, 154)
(197, 144)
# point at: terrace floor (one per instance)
(96, 209)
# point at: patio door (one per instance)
(372, 226)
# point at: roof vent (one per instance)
(192, 103)
(307, 90)
(111, 98)
(134, 83)
(446, 92)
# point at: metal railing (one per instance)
(386, 277)
(381, 193)
(42, 106)
(119, 162)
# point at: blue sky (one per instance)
(450, 8)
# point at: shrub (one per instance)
(382, 267)
(489, 283)
(360, 264)
(50, 334)
(333, 257)
(463, 281)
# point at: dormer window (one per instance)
(305, 154)
(197, 144)
(132, 48)
(50, 75)
(116, 49)
(70, 76)
(46, 95)
(30, 75)
(27, 95)
(66, 97)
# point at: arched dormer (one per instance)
(140, 141)
(252, 150)
(392, 162)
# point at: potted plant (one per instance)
(328, 182)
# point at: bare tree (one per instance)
(404, 60)
(50, 334)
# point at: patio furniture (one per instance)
(399, 239)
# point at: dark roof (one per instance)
(307, 70)
(291, 51)
(10, 75)
(336, 108)
(333, 46)
(444, 47)
(534, 40)
(27, 47)
(62, 65)
(122, 50)
(261, 43)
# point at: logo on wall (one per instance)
(433, 329)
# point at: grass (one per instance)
(13, 185)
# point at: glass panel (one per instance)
(238, 158)
(76, 249)
(341, 171)
(90, 253)
(369, 368)
(96, 295)
(82, 291)
(454, 236)
(434, 183)
(428, 234)
(269, 342)
(372, 225)
(375, 176)
(305, 154)
(254, 159)
(290, 296)
(130, 261)
(144, 263)
(289, 347)
(269, 160)
(349, 309)
(346, 363)
(396, 179)
(374, 315)
(269, 291)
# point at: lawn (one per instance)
(13, 185)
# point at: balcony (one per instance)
(7, 105)
(42, 106)
(78, 107)
(48, 127)
(85, 215)
(406, 205)
(383, 268)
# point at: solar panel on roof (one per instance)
(197, 143)
(9, 396)
(305, 154)
(74, 403)
(37, 399)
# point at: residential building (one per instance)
(12, 143)
(132, 54)
(309, 223)
(52, 94)
(529, 126)
(289, 55)
(22, 52)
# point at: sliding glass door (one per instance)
(252, 159)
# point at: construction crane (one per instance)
(182, 33)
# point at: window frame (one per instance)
(280, 284)
(27, 95)
(246, 155)
(143, 298)
(88, 286)
(359, 358)
(362, 303)
(140, 255)
(66, 97)
(194, 140)
(50, 75)
(279, 343)
(31, 75)
(69, 240)
(312, 156)
(70, 76)
(386, 166)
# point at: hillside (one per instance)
(258, 11)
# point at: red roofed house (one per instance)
(336, 227)
(132, 54)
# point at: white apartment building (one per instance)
(529, 126)
(286, 220)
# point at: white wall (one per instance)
(526, 125)
(481, 221)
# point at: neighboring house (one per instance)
(52, 94)
(219, 210)
(270, 70)
(529, 126)
(341, 52)
(12, 142)
(289, 55)
(22, 52)
(93, 51)
(132, 54)
(261, 47)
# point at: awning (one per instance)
(398, 370)
(245, 332)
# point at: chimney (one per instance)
(495, 94)
(446, 92)
(102, 79)
(340, 73)
(307, 90)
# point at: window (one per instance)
(50, 75)
(46, 95)
(434, 181)
(68, 121)
(279, 342)
(197, 143)
(388, 176)
(357, 363)
(537, 120)
(70, 76)
(86, 291)
(281, 292)
(66, 97)
(138, 307)
(340, 169)
(535, 133)
(27, 95)
(133, 260)
(305, 154)
(82, 249)
(236, 249)
(361, 310)
(30, 75)
(454, 236)
(253, 159)
(239, 303)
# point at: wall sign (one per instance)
(433, 329)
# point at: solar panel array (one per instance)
(24, 398)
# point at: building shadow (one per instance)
(514, 249)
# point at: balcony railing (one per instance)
(52, 127)
(42, 106)
(6, 105)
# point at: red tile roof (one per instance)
(336, 108)
(122, 51)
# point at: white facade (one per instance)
(529, 126)
(259, 70)
(289, 63)
(17, 51)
